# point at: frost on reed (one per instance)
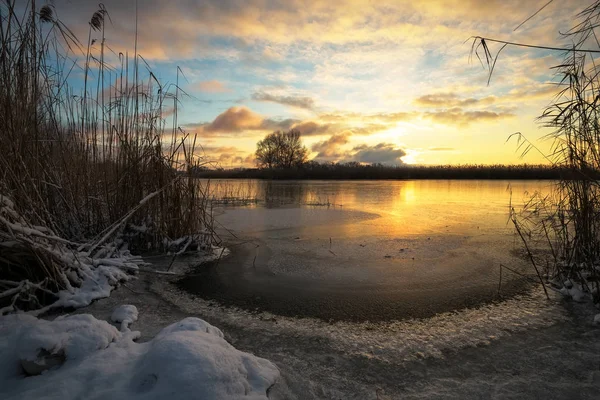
(93, 165)
(567, 222)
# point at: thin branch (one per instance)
(531, 46)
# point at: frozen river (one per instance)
(364, 250)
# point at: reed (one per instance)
(91, 151)
(566, 223)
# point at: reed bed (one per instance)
(226, 193)
(93, 164)
(566, 223)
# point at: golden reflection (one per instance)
(382, 208)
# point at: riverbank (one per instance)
(523, 347)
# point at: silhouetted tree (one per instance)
(281, 150)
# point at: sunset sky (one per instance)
(367, 81)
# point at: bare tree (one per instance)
(281, 150)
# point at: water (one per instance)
(516, 346)
(364, 250)
(399, 207)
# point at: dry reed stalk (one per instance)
(568, 220)
(93, 165)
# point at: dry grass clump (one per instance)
(92, 161)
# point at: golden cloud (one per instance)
(235, 119)
(329, 149)
(212, 86)
(293, 101)
(449, 100)
(457, 116)
(239, 119)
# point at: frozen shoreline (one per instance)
(524, 347)
(521, 347)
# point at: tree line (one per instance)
(355, 170)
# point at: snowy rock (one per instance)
(48, 344)
(188, 359)
(125, 315)
(75, 336)
(44, 361)
(577, 294)
(568, 284)
(192, 356)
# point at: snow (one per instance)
(576, 291)
(187, 359)
(85, 278)
(125, 315)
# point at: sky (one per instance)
(368, 81)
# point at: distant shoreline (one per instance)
(344, 172)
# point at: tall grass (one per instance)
(567, 221)
(90, 148)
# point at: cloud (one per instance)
(212, 86)
(221, 149)
(228, 156)
(449, 108)
(449, 100)
(270, 124)
(457, 116)
(392, 117)
(441, 149)
(293, 101)
(356, 117)
(178, 27)
(235, 119)
(384, 153)
(532, 93)
(240, 119)
(329, 150)
(311, 128)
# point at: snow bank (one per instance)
(91, 359)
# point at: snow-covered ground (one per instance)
(79, 356)
(526, 347)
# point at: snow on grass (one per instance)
(81, 357)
